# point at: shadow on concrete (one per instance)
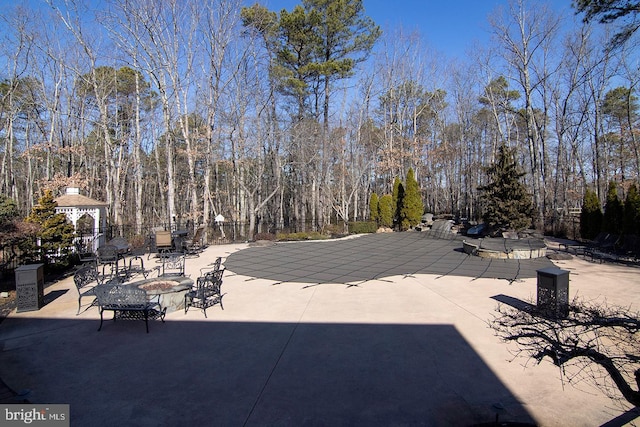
(623, 419)
(226, 373)
(514, 302)
(53, 295)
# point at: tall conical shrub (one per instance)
(613, 211)
(590, 215)
(374, 208)
(386, 209)
(411, 208)
(397, 196)
(631, 217)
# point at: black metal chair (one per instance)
(214, 266)
(172, 265)
(206, 292)
(136, 260)
(195, 244)
(109, 256)
(86, 280)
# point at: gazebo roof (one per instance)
(74, 198)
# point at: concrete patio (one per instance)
(370, 331)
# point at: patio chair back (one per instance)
(107, 254)
(196, 243)
(173, 265)
(163, 241)
(211, 268)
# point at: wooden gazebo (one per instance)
(78, 207)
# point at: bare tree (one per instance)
(525, 34)
(569, 111)
(15, 51)
(150, 31)
(466, 115)
(219, 66)
(600, 69)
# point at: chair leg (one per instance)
(100, 327)
(142, 270)
(186, 304)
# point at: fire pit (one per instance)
(158, 285)
(170, 290)
(501, 248)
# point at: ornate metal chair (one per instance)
(214, 266)
(109, 256)
(172, 265)
(136, 260)
(206, 292)
(86, 280)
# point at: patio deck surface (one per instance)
(370, 331)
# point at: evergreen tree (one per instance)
(313, 46)
(623, 12)
(631, 219)
(508, 205)
(411, 208)
(386, 209)
(374, 208)
(590, 216)
(8, 211)
(56, 234)
(8, 217)
(613, 211)
(397, 196)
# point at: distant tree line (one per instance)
(619, 217)
(178, 111)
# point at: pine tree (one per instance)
(411, 208)
(508, 205)
(8, 220)
(613, 211)
(56, 233)
(631, 218)
(8, 211)
(590, 215)
(374, 208)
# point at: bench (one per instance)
(128, 303)
(603, 240)
(625, 250)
